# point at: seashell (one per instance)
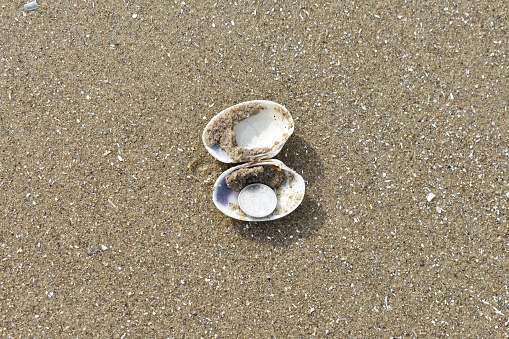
(31, 6)
(262, 189)
(287, 184)
(248, 131)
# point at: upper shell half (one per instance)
(248, 131)
(287, 184)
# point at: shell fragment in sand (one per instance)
(430, 196)
(31, 6)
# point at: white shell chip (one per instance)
(31, 6)
(257, 200)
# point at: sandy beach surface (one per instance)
(107, 226)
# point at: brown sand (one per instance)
(272, 176)
(107, 224)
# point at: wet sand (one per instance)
(107, 225)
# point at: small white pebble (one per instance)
(104, 248)
(439, 210)
(135, 16)
(31, 6)
(430, 196)
(120, 158)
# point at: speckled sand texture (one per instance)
(107, 226)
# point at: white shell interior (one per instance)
(261, 130)
(269, 128)
(289, 195)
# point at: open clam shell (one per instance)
(289, 191)
(248, 131)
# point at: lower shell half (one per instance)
(288, 185)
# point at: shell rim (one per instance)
(234, 213)
(219, 154)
